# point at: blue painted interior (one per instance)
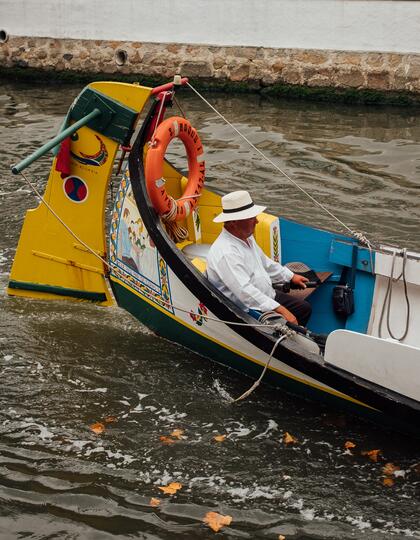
(325, 251)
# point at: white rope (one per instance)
(176, 231)
(257, 382)
(231, 323)
(41, 198)
(360, 236)
(365, 241)
(388, 297)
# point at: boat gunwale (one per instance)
(367, 392)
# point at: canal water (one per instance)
(67, 366)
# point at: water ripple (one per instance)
(65, 367)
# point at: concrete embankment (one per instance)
(334, 49)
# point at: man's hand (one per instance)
(299, 281)
(284, 312)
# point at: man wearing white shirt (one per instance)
(239, 268)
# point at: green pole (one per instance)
(16, 169)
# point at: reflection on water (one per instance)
(66, 366)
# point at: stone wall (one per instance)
(254, 66)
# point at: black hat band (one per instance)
(232, 210)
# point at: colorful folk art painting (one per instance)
(96, 159)
(135, 248)
(134, 258)
(198, 317)
(275, 248)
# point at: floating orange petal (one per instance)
(219, 438)
(216, 521)
(177, 433)
(289, 439)
(281, 537)
(389, 469)
(154, 502)
(348, 445)
(373, 455)
(167, 440)
(97, 428)
(388, 482)
(110, 419)
(171, 488)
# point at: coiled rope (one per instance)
(177, 232)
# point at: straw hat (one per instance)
(238, 205)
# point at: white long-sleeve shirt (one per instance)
(242, 272)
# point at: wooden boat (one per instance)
(369, 361)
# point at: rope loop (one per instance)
(388, 297)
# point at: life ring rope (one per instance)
(168, 208)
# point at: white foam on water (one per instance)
(263, 492)
(359, 522)
(95, 450)
(308, 513)
(43, 432)
(211, 481)
(221, 391)
(78, 445)
(240, 431)
(165, 479)
(238, 494)
(170, 417)
(139, 407)
(8, 357)
(101, 390)
(297, 504)
(272, 426)
(125, 459)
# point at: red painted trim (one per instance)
(167, 86)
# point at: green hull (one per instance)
(174, 331)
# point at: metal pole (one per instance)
(16, 169)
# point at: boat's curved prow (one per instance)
(49, 262)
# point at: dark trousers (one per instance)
(301, 309)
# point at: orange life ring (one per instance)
(169, 129)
